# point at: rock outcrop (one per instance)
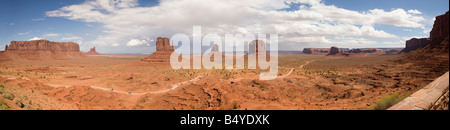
(92, 51)
(162, 53)
(368, 50)
(43, 45)
(434, 57)
(334, 51)
(440, 28)
(163, 44)
(414, 44)
(41, 50)
(316, 51)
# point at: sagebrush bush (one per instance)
(389, 101)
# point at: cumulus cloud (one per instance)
(35, 38)
(313, 20)
(136, 42)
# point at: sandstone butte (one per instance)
(163, 51)
(334, 51)
(92, 51)
(40, 50)
(414, 44)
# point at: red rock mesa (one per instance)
(41, 50)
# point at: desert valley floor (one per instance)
(125, 82)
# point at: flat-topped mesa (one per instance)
(92, 51)
(334, 51)
(162, 53)
(368, 50)
(43, 45)
(414, 44)
(41, 50)
(316, 50)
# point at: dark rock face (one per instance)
(415, 44)
(316, 50)
(162, 53)
(369, 50)
(434, 57)
(43, 45)
(6, 47)
(334, 50)
(440, 28)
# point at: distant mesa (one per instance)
(415, 44)
(370, 50)
(40, 50)
(163, 51)
(316, 50)
(92, 52)
(334, 51)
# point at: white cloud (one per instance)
(414, 11)
(25, 33)
(39, 19)
(136, 42)
(35, 38)
(51, 35)
(74, 38)
(123, 19)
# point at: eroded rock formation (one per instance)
(415, 44)
(440, 28)
(316, 50)
(368, 50)
(92, 51)
(163, 51)
(334, 51)
(41, 50)
(43, 45)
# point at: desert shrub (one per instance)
(3, 105)
(2, 89)
(389, 101)
(8, 96)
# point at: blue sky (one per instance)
(22, 20)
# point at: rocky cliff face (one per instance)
(43, 45)
(162, 53)
(434, 57)
(163, 44)
(440, 28)
(415, 44)
(40, 50)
